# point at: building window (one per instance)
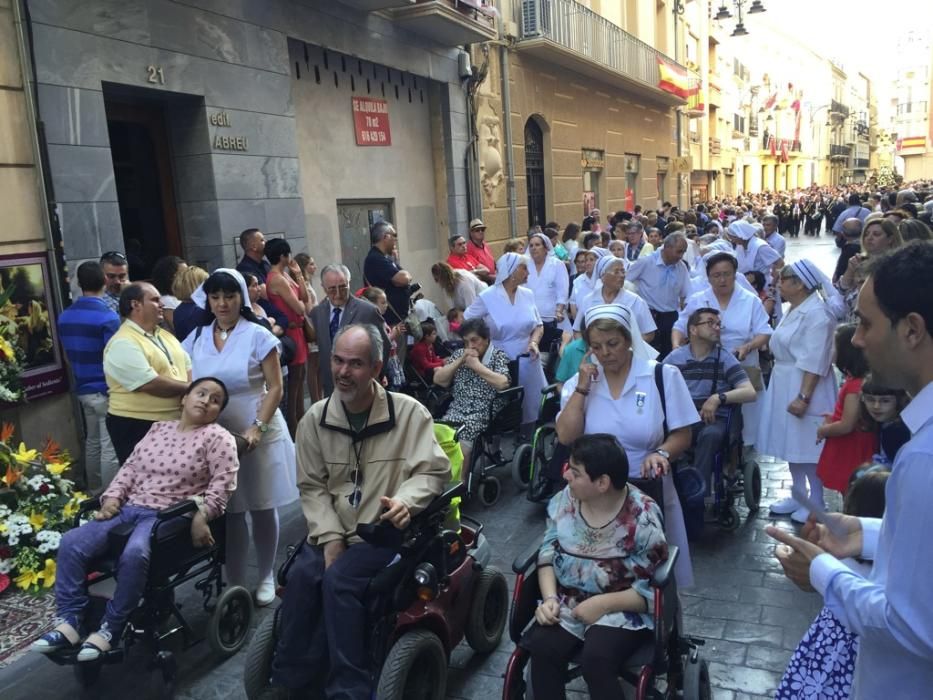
(534, 173)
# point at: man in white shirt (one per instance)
(663, 281)
(890, 610)
(771, 235)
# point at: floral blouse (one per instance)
(473, 394)
(589, 561)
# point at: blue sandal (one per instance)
(51, 642)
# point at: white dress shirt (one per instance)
(662, 286)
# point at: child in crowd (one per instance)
(828, 649)
(422, 355)
(393, 372)
(758, 281)
(454, 321)
(883, 406)
(850, 440)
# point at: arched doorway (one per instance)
(534, 173)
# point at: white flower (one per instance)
(4, 511)
(12, 539)
(6, 566)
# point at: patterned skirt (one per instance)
(823, 662)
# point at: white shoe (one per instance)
(265, 592)
(801, 514)
(785, 506)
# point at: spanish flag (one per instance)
(673, 79)
(911, 142)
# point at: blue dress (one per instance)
(823, 662)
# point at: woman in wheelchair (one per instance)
(604, 540)
(474, 374)
(191, 458)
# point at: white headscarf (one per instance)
(812, 277)
(199, 297)
(547, 243)
(506, 265)
(622, 315)
(742, 229)
(603, 264)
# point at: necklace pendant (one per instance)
(223, 334)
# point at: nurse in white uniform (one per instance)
(610, 271)
(751, 252)
(550, 283)
(586, 283)
(615, 392)
(515, 326)
(745, 327)
(803, 388)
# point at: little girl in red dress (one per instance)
(849, 441)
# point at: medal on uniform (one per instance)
(640, 398)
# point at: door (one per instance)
(534, 173)
(354, 219)
(143, 176)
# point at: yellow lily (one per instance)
(23, 455)
(70, 508)
(48, 573)
(27, 579)
(55, 468)
(37, 520)
(6, 349)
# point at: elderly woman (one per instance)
(604, 540)
(587, 282)
(548, 280)
(617, 391)
(460, 287)
(474, 374)
(802, 389)
(515, 326)
(878, 237)
(745, 327)
(751, 252)
(610, 272)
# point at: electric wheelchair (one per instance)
(436, 592)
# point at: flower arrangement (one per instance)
(11, 353)
(37, 505)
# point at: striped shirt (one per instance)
(718, 371)
(84, 329)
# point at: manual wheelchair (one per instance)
(173, 562)
(438, 591)
(666, 667)
(530, 462)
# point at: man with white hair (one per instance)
(771, 234)
(339, 310)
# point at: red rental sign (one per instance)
(371, 122)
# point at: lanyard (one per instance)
(158, 342)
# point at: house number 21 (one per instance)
(155, 75)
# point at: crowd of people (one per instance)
(660, 324)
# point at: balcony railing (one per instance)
(860, 163)
(837, 108)
(448, 22)
(566, 32)
(715, 146)
(839, 151)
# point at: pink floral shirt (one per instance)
(168, 466)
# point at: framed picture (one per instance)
(28, 317)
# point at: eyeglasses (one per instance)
(338, 288)
(712, 323)
(789, 277)
(113, 256)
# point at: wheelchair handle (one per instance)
(85, 507)
(177, 509)
(528, 557)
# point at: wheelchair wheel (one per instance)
(489, 491)
(696, 681)
(229, 625)
(521, 466)
(752, 481)
(729, 518)
(488, 612)
(415, 668)
(257, 671)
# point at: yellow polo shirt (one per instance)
(133, 358)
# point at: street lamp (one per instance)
(755, 8)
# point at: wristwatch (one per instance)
(803, 397)
(263, 427)
(722, 398)
(663, 453)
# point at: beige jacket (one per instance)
(398, 457)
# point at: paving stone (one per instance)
(742, 678)
(721, 592)
(772, 596)
(767, 658)
(705, 628)
(786, 617)
(725, 652)
(751, 633)
(728, 610)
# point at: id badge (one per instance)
(640, 398)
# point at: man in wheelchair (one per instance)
(604, 540)
(364, 455)
(191, 458)
(715, 380)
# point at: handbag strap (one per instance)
(659, 382)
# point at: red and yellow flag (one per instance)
(673, 79)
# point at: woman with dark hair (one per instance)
(604, 539)
(569, 239)
(878, 237)
(190, 458)
(308, 266)
(235, 346)
(163, 276)
(286, 289)
(914, 230)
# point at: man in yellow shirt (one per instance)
(147, 370)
